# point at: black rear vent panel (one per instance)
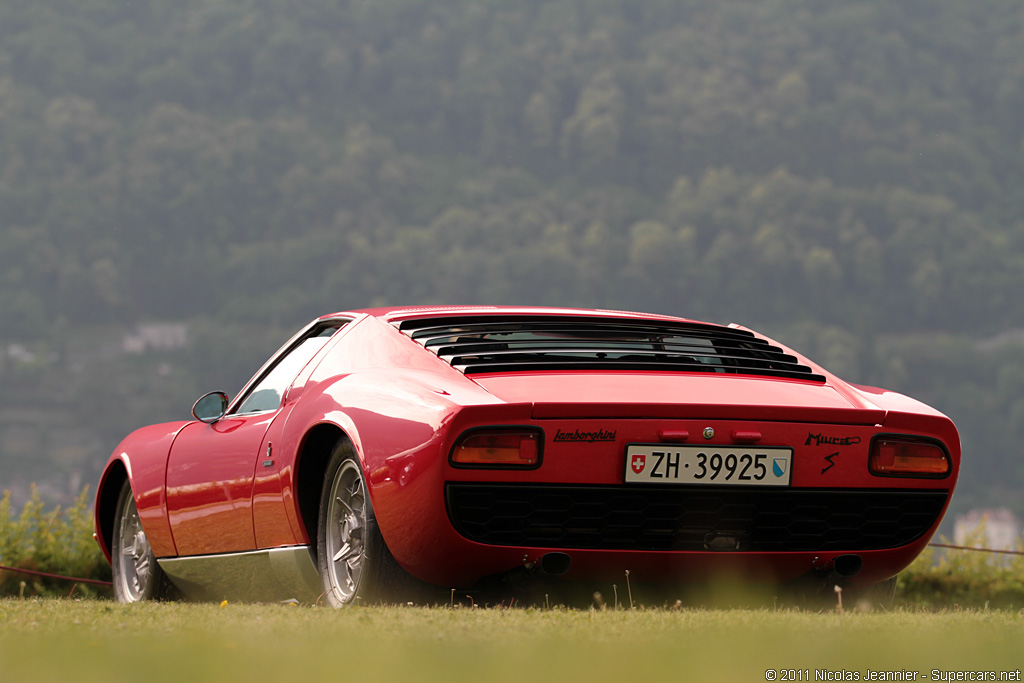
(478, 344)
(694, 519)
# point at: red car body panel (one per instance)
(143, 456)
(232, 486)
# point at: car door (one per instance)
(211, 467)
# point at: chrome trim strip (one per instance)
(271, 575)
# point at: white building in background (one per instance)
(156, 337)
(19, 353)
(997, 529)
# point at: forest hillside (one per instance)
(184, 183)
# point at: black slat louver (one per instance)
(518, 343)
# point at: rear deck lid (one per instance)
(636, 395)
(610, 366)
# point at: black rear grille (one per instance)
(515, 343)
(649, 518)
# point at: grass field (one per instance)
(61, 640)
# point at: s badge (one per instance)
(830, 461)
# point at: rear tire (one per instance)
(875, 596)
(355, 565)
(137, 576)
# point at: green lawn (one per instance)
(54, 640)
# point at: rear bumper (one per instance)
(742, 519)
(693, 534)
(670, 535)
(452, 527)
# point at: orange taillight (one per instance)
(908, 458)
(498, 448)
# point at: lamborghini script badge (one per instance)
(599, 435)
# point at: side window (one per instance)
(268, 392)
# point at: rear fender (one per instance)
(389, 424)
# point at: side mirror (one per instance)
(211, 407)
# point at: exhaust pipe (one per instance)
(555, 564)
(846, 566)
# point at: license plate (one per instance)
(734, 466)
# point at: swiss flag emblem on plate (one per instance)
(639, 462)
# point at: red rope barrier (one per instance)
(108, 583)
(980, 550)
(55, 576)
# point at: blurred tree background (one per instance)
(183, 183)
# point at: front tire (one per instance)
(355, 565)
(137, 576)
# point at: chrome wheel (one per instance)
(134, 554)
(344, 532)
(137, 576)
(355, 564)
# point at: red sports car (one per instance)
(455, 445)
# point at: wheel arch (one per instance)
(106, 504)
(311, 467)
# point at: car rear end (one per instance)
(678, 451)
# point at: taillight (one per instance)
(501, 448)
(906, 457)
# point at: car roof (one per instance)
(461, 335)
(392, 314)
